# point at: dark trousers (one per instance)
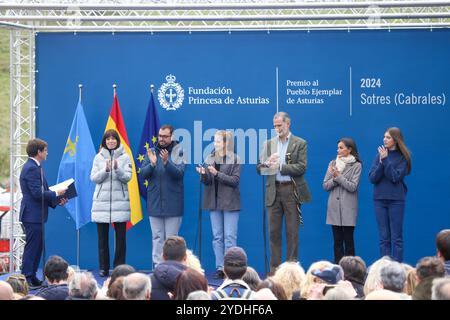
(33, 249)
(344, 244)
(389, 215)
(284, 205)
(103, 244)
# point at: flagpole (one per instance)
(80, 87)
(115, 91)
(152, 88)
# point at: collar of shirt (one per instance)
(37, 162)
(282, 149)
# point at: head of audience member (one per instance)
(276, 288)
(115, 290)
(441, 289)
(83, 286)
(251, 278)
(290, 276)
(382, 294)
(188, 281)
(373, 281)
(174, 249)
(120, 271)
(70, 273)
(443, 244)
(198, 295)
(6, 291)
(411, 281)
(32, 297)
(19, 284)
(310, 280)
(235, 263)
(429, 267)
(393, 277)
(264, 294)
(137, 286)
(193, 262)
(355, 269)
(337, 293)
(55, 270)
(329, 274)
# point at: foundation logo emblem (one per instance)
(171, 94)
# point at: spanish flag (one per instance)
(115, 121)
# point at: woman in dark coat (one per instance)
(221, 175)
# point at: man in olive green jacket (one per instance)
(283, 161)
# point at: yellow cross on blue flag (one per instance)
(76, 163)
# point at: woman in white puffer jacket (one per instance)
(111, 172)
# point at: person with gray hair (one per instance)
(338, 293)
(83, 286)
(198, 295)
(393, 278)
(440, 289)
(137, 286)
(284, 161)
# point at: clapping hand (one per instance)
(383, 152)
(273, 161)
(108, 165)
(200, 169)
(164, 154)
(152, 156)
(212, 170)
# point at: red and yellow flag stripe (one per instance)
(115, 121)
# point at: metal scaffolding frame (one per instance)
(22, 128)
(25, 18)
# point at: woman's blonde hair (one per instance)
(290, 275)
(193, 262)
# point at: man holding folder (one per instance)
(34, 207)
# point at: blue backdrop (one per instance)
(332, 83)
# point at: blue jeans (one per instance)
(389, 214)
(162, 228)
(224, 226)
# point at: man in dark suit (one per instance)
(284, 162)
(34, 207)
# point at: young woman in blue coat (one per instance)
(391, 165)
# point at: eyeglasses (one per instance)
(163, 136)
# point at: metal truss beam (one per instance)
(127, 15)
(22, 121)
